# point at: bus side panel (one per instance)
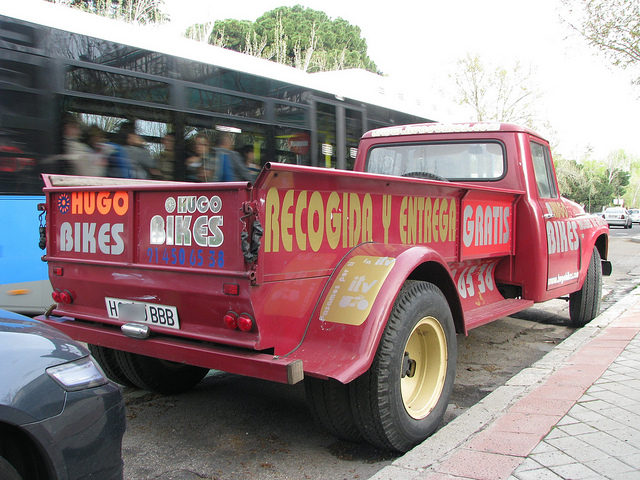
(24, 284)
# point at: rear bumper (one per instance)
(218, 357)
(618, 222)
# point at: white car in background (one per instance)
(618, 216)
(635, 215)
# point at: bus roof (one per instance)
(359, 85)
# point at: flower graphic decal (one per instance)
(64, 202)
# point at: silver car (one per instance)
(618, 216)
(60, 418)
(635, 215)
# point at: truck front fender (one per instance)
(352, 311)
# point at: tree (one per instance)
(301, 37)
(132, 11)
(595, 183)
(497, 93)
(612, 26)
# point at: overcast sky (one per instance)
(587, 101)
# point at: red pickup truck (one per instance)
(355, 281)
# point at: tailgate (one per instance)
(147, 251)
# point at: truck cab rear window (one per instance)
(460, 161)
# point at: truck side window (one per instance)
(543, 170)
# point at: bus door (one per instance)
(336, 133)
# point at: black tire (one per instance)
(106, 357)
(7, 472)
(158, 375)
(394, 410)
(584, 305)
(330, 407)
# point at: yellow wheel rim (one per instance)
(424, 368)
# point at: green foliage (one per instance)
(612, 26)
(233, 33)
(301, 37)
(595, 184)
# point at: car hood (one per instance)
(27, 349)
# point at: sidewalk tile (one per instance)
(552, 392)
(540, 474)
(528, 464)
(552, 459)
(610, 467)
(507, 443)
(608, 444)
(526, 423)
(568, 444)
(574, 471)
(576, 429)
(479, 465)
(631, 460)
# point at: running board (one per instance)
(487, 313)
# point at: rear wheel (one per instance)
(330, 406)
(158, 375)
(584, 305)
(402, 398)
(106, 357)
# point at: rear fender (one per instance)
(352, 312)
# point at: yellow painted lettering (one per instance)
(301, 206)
(333, 219)
(272, 227)
(314, 211)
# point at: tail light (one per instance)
(230, 321)
(62, 296)
(245, 322)
(233, 321)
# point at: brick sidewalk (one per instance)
(574, 414)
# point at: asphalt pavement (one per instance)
(574, 414)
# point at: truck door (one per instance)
(563, 239)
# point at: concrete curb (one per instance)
(437, 448)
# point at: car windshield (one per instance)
(453, 161)
(615, 210)
(634, 211)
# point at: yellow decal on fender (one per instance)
(354, 290)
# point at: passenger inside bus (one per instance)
(230, 165)
(166, 159)
(248, 153)
(79, 156)
(200, 165)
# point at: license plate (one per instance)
(151, 313)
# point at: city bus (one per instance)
(57, 62)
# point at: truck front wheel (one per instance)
(402, 398)
(584, 305)
(159, 375)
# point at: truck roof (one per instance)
(438, 128)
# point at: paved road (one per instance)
(231, 427)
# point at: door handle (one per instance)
(548, 215)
